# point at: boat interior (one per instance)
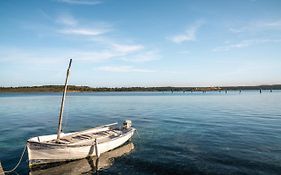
(99, 134)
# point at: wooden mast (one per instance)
(62, 102)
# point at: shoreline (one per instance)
(73, 88)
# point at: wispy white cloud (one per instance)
(132, 53)
(236, 30)
(145, 56)
(245, 43)
(274, 24)
(127, 48)
(81, 2)
(188, 35)
(97, 34)
(56, 55)
(123, 69)
(83, 31)
(257, 26)
(115, 51)
(34, 56)
(69, 25)
(66, 19)
(100, 45)
(94, 56)
(227, 47)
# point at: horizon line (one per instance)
(278, 84)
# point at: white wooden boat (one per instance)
(84, 166)
(77, 145)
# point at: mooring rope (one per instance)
(22, 154)
(138, 133)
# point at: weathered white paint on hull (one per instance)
(40, 153)
(84, 166)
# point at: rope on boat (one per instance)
(22, 154)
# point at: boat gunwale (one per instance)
(78, 145)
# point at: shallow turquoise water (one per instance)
(180, 133)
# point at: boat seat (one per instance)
(107, 133)
(101, 134)
(81, 137)
(87, 136)
(64, 141)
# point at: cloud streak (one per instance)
(113, 49)
(127, 48)
(188, 35)
(257, 26)
(83, 31)
(66, 19)
(123, 69)
(99, 45)
(245, 43)
(145, 56)
(71, 26)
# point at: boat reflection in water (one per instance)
(88, 165)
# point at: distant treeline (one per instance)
(72, 88)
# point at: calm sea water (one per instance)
(179, 133)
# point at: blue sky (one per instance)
(118, 43)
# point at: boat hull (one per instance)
(84, 166)
(43, 153)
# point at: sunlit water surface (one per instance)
(179, 133)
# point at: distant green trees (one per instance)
(73, 88)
